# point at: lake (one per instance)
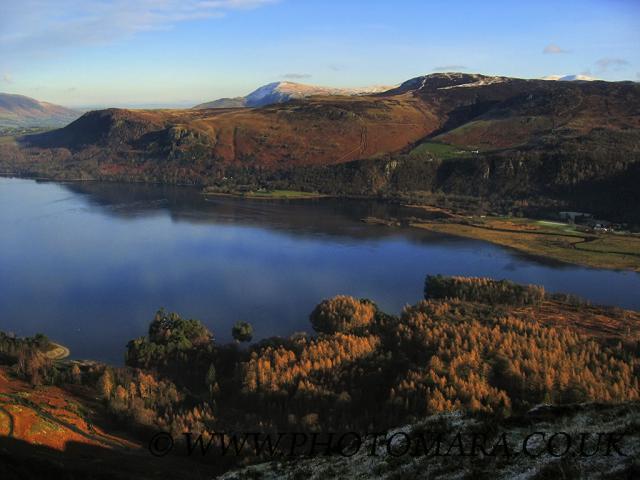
(88, 264)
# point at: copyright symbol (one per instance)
(161, 444)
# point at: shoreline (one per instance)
(559, 246)
(268, 196)
(558, 242)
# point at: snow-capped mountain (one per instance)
(570, 78)
(279, 92)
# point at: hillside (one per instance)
(322, 131)
(21, 111)
(280, 92)
(476, 355)
(461, 460)
(65, 432)
(514, 143)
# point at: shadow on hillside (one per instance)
(23, 460)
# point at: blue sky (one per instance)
(182, 52)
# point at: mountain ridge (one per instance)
(22, 111)
(283, 91)
(557, 144)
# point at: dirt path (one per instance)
(59, 352)
(11, 422)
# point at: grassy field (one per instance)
(268, 194)
(7, 140)
(285, 194)
(439, 150)
(548, 239)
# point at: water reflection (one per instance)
(89, 263)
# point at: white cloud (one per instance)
(39, 25)
(6, 78)
(296, 76)
(584, 76)
(605, 64)
(553, 49)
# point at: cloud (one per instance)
(337, 67)
(614, 63)
(553, 49)
(35, 26)
(296, 76)
(6, 78)
(449, 68)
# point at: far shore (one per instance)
(557, 241)
(268, 195)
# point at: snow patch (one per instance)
(570, 78)
(478, 83)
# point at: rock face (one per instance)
(458, 458)
(21, 111)
(280, 92)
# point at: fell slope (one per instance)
(555, 144)
(280, 92)
(21, 111)
(200, 143)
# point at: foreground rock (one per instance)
(616, 456)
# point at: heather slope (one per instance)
(314, 132)
(21, 111)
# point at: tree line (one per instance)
(468, 346)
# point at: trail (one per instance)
(59, 352)
(11, 421)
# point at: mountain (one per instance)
(280, 92)
(507, 142)
(570, 78)
(21, 111)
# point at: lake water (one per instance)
(89, 264)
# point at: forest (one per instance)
(473, 344)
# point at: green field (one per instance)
(268, 194)
(439, 150)
(290, 194)
(549, 239)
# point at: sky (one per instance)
(97, 53)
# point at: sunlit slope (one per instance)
(320, 131)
